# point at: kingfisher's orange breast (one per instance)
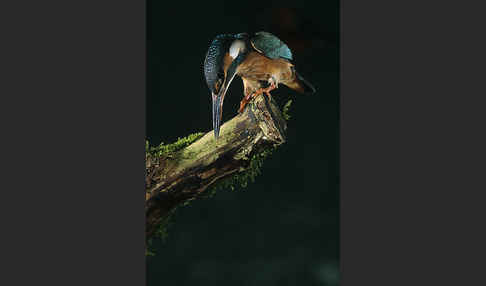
(258, 67)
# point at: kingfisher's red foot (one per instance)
(242, 106)
(248, 98)
(258, 92)
(244, 101)
(268, 89)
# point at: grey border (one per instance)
(73, 120)
(412, 143)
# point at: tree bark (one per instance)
(184, 175)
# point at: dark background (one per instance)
(283, 229)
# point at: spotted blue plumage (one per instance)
(213, 62)
(271, 46)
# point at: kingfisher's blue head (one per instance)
(223, 57)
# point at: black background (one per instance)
(283, 229)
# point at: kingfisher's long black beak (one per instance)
(217, 113)
(219, 98)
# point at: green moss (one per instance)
(285, 110)
(149, 252)
(167, 149)
(241, 179)
(160, 233)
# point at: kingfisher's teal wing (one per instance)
(270, 46)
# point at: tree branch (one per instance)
(174, 178)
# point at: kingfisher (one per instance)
(261, 60)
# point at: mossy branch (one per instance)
(198, 164)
